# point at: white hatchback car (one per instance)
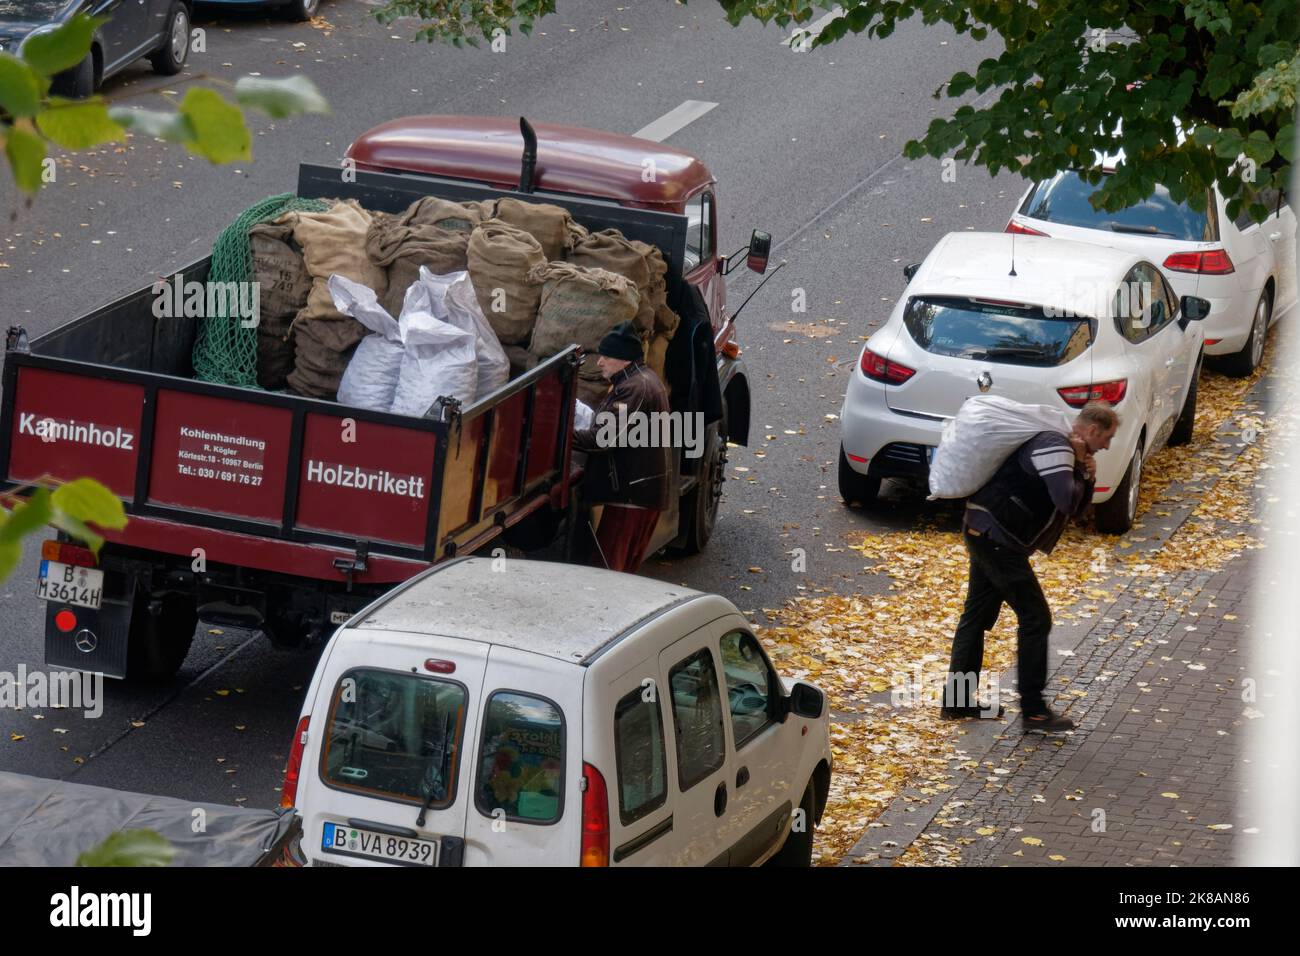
(1246, 270)
(531, 713)
(1040, 321)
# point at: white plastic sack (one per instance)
(583, 414)
(370, 380)
(987, 429)
(439, 359)
(454, 301)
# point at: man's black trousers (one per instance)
(999, 575)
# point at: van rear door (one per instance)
(392, 731)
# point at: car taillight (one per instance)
(289, 793)
(1017, 228)
(880, 369)
(1076, 396)
(595, 818)
(1212, 262)
(66, 553)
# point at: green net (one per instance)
(225, 351)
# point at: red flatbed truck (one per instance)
(277, 512)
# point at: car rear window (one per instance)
(641, 756)
(1064, 199)
(395, 736)
(996, 333)
(521, 763)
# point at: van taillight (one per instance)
(289, 793)
(595, 818)
(1212, 262)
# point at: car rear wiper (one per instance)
(1008, 350)
(1140, 230)
(442, 750)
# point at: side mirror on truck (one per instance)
(760, 247)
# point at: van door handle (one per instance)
(742, 777)
(720, 799)
(1169, 362)
(1275, 236)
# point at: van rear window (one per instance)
(396, 736)
(521, 764)
(989, 332)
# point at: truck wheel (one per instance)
(699, 508)
(798, 846)
(1116, 515)
(170, 57)
(1183, 428)
(856, 488)
(159, 642)
(78, 82)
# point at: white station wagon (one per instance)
(511, 712)
(1039, 321)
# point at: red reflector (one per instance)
(1017, 228)
(880, 369)
(1214, 262)
(857, 458)
(67, 554)
(289, 793)
(1076, 396)
(65, 621)
(1213, 341)
(1095, 490)
(595, 818)
(439, 667)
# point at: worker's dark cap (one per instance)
(622, 342)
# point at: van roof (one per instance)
(564, 611)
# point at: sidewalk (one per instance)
(1153, 677)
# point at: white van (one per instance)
(511, 712)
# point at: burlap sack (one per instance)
(550, 225)
(592, 386)
(322, 350)
(500, 258)
(402, 249)
(578, 305)
(611, 251)
(445, 214)
(656, 355)
(283, 285)
(521, 360)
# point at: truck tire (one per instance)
(797, 848)
(699, 507)
(169, 59)
(158, 643)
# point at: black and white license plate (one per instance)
(70, 584)
(353, 841)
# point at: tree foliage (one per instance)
(1191, 91)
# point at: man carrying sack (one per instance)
(1023, 508)
(631, 482)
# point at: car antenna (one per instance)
(1013, 255)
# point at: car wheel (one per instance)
(1182, 432)
(1116, 516)
(1245, 361)
(798, 846)
(162, 630)
(300, 10)
(699, 508)
(170, 59)
(856, 488)
(78, 82)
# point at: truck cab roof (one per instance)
(570, 159)
(568, 612)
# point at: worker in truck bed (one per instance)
(628, 479)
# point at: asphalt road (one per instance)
(805, 145)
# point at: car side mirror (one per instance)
(805, 700)
(760, 247)
(909, 271)
(1194, 307)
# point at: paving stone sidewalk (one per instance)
(1153, 678)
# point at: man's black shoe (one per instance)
(1046, 723)
(966, 713)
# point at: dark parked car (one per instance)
(158, 29)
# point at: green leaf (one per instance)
(85, 499)
(27, 517)
(172, 127)
(220, 135)
(78, 124)
(62, 48)
(79, 530)
(25, 151)
(11, 554)
(1228, 145)
(281, 97)
(20, 90)
(1286, 142)
(130, 848)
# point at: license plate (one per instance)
(352, 841)
(70, 584)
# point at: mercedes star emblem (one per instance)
(985, 381)
(86, 641)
